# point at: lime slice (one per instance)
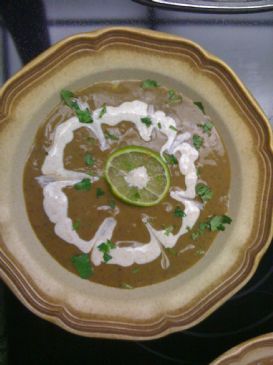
(137, 175)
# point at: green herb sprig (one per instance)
(149, 84)
(204, 192)
(170, 159)
(82, 265)
(200, 106)
(84, 185)
(102, 111)
(69, 99)
(213, 224)
(173, 97)
(89, 159)
(197, 141)
(179, 213)
(105, 248)
(206, 127)
(99, 192)
(147, 121)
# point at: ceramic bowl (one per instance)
(94, 310)
(257, 351)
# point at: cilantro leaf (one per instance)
(135, 270)
(200, 231)
(83, 115)
(149, 84)
(216, 223)
(178, 212)
(173, 97)
(204, 192)
(105, 248)
(159, 125)
(76, 225)
(200, 252)
(173, 128)
(111, 136)
(206, 127)
(213, 224)
(168, 230)
(84, 185)
(147, 121)
(197, 141)
(106, 257)
(88, 159)
(99, 192)
(82, 265)
(170, 159)
(200, 106)
(69, 99)
(102, 111)
(112, 204)
(126, 286)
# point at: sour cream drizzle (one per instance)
(56, 202)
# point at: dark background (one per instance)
(245, 42)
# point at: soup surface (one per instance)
(87, 228)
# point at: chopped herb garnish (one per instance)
(112, 204)
(88, 159)
(67, 97)
(200, 252)
(99, 192)
(213, 224)
(126, 286)
(105, 248)
(216, 223)
(84, 185)
(111, 136)
(200, 106)
(170, 159)
(173, 128)
(82, 265)
(159, 125)
(102, 111)
(195, 235)
(106, 257)
(76, 225)
(206, 127)
(70, 100)
(178, 212)
(204, 192)
(198, 171)
(168, 230)
(173, 97)
(147, 121)
(83, 115)
(135, 270)
(149, 84)
(172, 251)
(197, 141)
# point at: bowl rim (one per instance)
(238, 352)
(60, 314)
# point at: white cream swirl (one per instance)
(56, 202)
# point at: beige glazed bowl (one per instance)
(257, 351)
(94, 310)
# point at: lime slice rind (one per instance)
(125, 159)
